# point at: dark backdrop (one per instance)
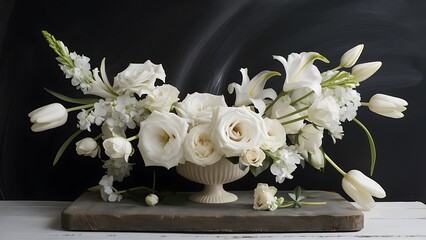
(202, 45)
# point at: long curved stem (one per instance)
(334, 165)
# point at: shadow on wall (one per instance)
(202, 45)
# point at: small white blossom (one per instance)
(119, 168)
(285, 165)
(107, 191)
(85, 120)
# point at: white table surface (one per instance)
(41, 220)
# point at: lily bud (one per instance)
(387, 106)
(48, 117)
(361, 189)
(351, 56)
(151, 200)
(365, 70)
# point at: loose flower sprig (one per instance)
(262, 130)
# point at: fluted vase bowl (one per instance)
(213, 177)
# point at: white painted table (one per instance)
(21, 220)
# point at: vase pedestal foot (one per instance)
(213, 194)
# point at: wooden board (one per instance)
(90, 213)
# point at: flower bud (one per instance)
(117, 147)
(351, 56)
(361, 189)
(253, 156)
(48, 117)
(151, 200)
(87, 147)
(365, 70)
(387, 106)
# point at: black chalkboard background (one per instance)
(202, 45)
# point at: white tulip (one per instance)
(387, 106)
(198, 147)
(351, 56)
(310, 138)
(251, 91)
(361, 189)
(363, 71)
(234, 129)
(316, 158)
(87, 147)
(139, 78)
(301, 72)
(117, 147)
(48, 117)
(198, 107)
(252, 157)
(264, 197)
(151, 200)
(161, 139)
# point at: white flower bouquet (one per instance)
(261, 131)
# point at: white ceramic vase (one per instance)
(213, 177)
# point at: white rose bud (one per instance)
(264, 197)
(117, 147)
(87, 147)
(361, 189)
(351, 56)
(310, 138)
(363, 71)
(162, 98)
(151, 200)
(252, 157)
(275, 135)
(387, 106)
(48, 117)
(139, 78)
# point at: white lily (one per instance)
(363, 71)
(387, 106)
(301, 72)
(351, 56)
(361, 189)
(251, 91)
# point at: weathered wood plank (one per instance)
(90, 213)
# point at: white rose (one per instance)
(199, 107)
(198, 147)
(264, 197)
(310, 139)
(234, 129)
(87, 147)
(283, 108)
(162, 98)
(324, 112)
(139, 78)
(252, 157)
(275, 135)
(117, 147)
(161, 139)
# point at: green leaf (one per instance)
(265, 165)
(372, 145)
(64, 146)
(72, 100)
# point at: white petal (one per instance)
(361, 197)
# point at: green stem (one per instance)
(294, 120)
(292, 113)
(97, 137)
(134, 189)
(282, 94)
(80, 107)
(301, 98)
(132, 138)
(366, 104)
(334, 165)
(286, 205)
(313, 203)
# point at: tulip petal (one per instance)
(361, 197)
(360, 181)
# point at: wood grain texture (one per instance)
(90, 213)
